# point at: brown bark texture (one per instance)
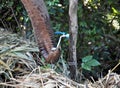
(40, 20)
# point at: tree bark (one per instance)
(73, 30)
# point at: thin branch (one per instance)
(15, 17)
(112, 38)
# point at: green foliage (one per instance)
(88, 62)
(99, 25)
(12, 15)
(57, 11)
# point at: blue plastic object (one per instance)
(59, 32)
(62, 34)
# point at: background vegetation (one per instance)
(98, 46)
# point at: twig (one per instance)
(10, 85)
(112, 38)
(116, 66)
(3, 24)
(4, 15)
(41, 79)
(31, 73)
(113, 69)
(15, 17)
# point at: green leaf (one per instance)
(92, 62)
(86, 67)
(1, 6)
(9, 18)
(87, 58)
(26, 19)
(88, 62)
(114, 10)
(18, 8)
(83, 24)
(10, 4)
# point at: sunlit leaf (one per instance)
(21, 18)
(114, 10)
(9, 18)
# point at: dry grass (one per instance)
(42, 78)
(111, 80)
(18, 69)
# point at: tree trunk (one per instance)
(73, 30)
(40, 20)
